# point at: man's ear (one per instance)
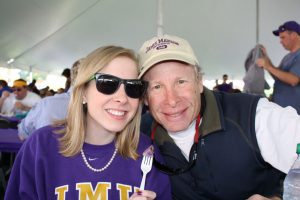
(200, 85)
(146, 102)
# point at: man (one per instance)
(20, 101)
(4, 87)
(67, 73)
(47, 110)
(215, 145)
(224, 86)
(32, 87)
(287, 75)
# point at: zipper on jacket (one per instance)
(202, 144)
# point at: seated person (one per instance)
(67, 73)
(48, 110)
(32, 87)
(4, 87)
(20, 101)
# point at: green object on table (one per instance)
(21, 115)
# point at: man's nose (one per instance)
(171, 97)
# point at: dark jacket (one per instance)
(229, 165)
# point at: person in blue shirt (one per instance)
(48, 110)
(287, 75)
(4, 87)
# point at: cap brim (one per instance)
(276, 32)
(164, 57)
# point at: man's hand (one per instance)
(5, 94)
(19, 105)
(261, 62)
(264, 62)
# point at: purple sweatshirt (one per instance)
(41, 172)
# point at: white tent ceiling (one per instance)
(49, 35)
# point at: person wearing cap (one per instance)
(20, 101)
(287, 75)
(48, 110)
(215, 145)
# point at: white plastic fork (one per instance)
(145, 167)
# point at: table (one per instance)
(11, 118)
(10, 143)
(9, 140)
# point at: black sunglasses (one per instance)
(109, 84)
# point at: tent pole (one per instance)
(160, 31)
(30, 73)
(257, 21)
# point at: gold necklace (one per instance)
(101, 169)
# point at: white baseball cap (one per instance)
(162, 48)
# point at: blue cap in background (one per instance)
(288, 26)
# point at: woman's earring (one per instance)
(84, 106)
(84, 100)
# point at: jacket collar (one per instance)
(211, 120)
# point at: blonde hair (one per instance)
(74, 70)
(73, 135)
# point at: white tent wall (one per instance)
(49, 35)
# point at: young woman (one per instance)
(96, 152)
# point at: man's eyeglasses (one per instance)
(109, 84)
(17, 89)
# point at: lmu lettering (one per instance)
(101, 191)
